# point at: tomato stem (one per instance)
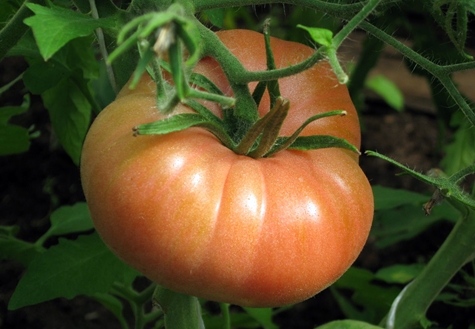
(456, 251)
(226, 315)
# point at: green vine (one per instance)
(440, 72)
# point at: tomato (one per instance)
(195, 217)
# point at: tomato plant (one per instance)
(200, 219)
(223, 164)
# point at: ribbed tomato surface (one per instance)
(197, 218)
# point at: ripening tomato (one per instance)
(195, 217)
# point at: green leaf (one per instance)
(13, 139)
(7, 112)
(64, 84)
(387, 90)
(70, 113)
(83, 5)
(399, 273)
(204, 82)
(348, 324)
(7, 10)
(15, 249)
(285, 142)
(388, 198)
(263, 316)
(70, 219)
(375, 299)
(54, 27)
(69, 269)
(406, 222)
(459, 153)
(10, 84)
(181, 311)
(174, 123)
(349, 309)
(25, 47)
(306, 143)
(216, 16)
(321, 36)
(41, 76)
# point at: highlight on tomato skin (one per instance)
(197, 218)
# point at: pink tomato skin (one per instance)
(195, 217)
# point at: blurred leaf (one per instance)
(238, 320)
(349, 309)
(71, 268)
(376, 300)
(13, 139)
(461, 293)
(387, 90)
(54, 27)
(15, 249)
(25, 47)
(70, 219)
(41, 76)
(347, 324)
(10, 84)
(460, 153)
(64, 84)
(84, 6)
(406, 222)
(216, 16)
(7, 10)
(7, 112)
(114, 305)
(70, 113)
(426, 323)
(262, 315)
(399, 273)
(387, 198)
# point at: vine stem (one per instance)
(137, 301)
(354, 22)
(226, 315)
(333, 8)
(103, 48)
(242, 76)
(236, 72)
(438, 71)
(456, 251)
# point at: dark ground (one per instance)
(36, 182)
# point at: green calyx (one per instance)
(261, 139)
(170, 44)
